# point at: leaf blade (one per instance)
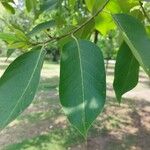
(7, 37)
(87, 101)
(126, 72)
(29, 5)
(136, 37)
(42, 26)
(22, 85)
(8, 7)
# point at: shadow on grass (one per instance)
(138, 141)
(48, 83)
(101, 134)
(56, 140)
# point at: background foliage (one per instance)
(71, 29)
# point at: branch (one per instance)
(144, 12)
(76, 29)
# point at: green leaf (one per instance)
(90, 4)
(8, 7)
(17, 45)
(87, 30)
(83, 33)
(104, 21)
(21, 35)
(12, 1)
(42, 26)
(10, 52)
(7, 37)
(126, 71)
(29, 5)
(72, 3)
(48, 4)
(127, 5)
(136, 37)
(18, 85)
(82, 83)
(94, 5)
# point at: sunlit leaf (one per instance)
(10, 52)
(7, 37)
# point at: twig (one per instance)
(76, 29)
(96, 36)
(144, 12)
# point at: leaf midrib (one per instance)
(82, 84)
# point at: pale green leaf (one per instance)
(8, 37)
(16, 45)
(72, 3)
(104, 21)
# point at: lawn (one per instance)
(43, 126)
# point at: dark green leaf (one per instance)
(83, 33)
(126, 71)
(8, 7)
(7, 37)
(136, 37)
(48, 4)
(10, 52)
(86, 31)
(29, 5)
(42, 26)
(82, 83)
(18, 85)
